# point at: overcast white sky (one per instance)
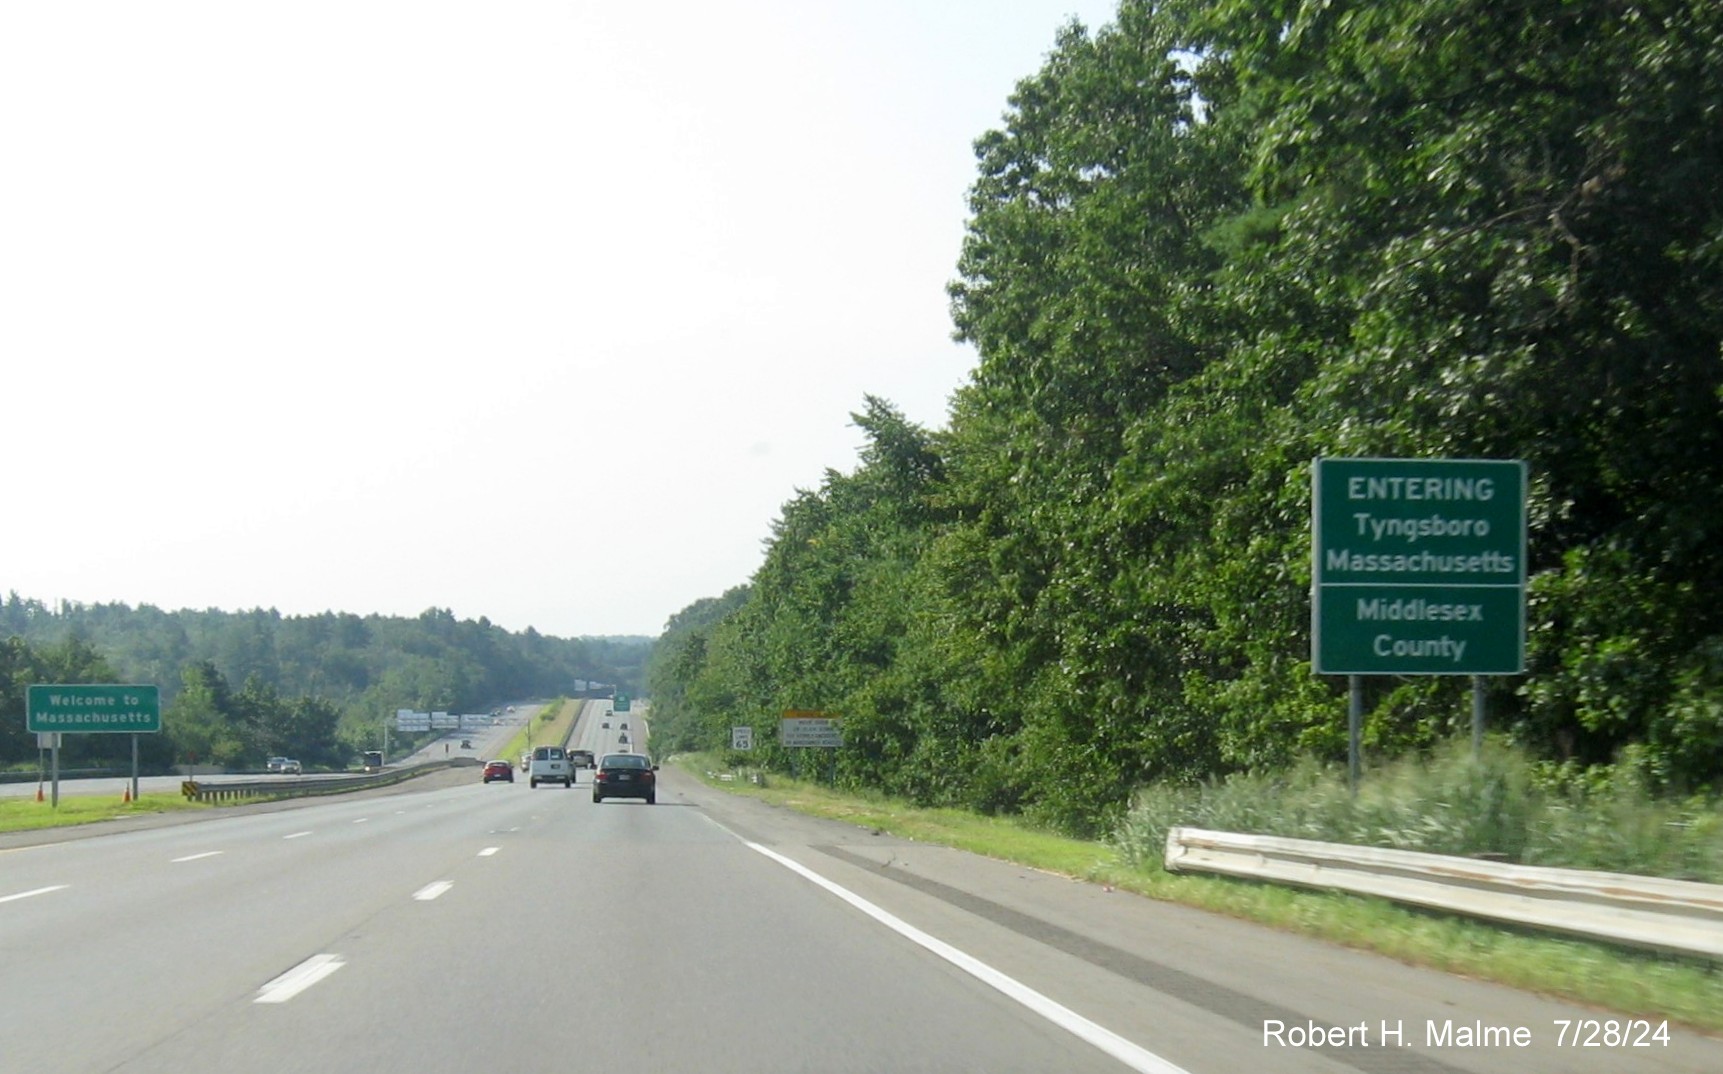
(535, 311)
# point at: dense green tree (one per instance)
(680, 715)
(1494, 235)
(1212, 241)
(205, 722)
(299, 673)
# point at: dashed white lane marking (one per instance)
(299, 978)
(296, 835)
(431, 891)
(30, 894)
(194, 857)
(488, 851)
(1132, 1055)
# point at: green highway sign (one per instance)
(1420, 567)
(92, 709)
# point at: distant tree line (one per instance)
(1212, 241)
(237, 687)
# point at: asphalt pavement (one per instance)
(447, 925)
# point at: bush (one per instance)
(1500, 804)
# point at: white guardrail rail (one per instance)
(1676, 916)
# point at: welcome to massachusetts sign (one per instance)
(93, 709)
(1420, 567)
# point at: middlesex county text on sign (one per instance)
(1420, 567)
(93, 709)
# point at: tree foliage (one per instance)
(1211, 241)
(318, 688)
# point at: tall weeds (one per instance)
(1501, 804)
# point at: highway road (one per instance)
(453, 926)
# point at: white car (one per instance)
(290, 767)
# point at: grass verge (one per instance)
(1624, 981)
(27, 814)
(547, 728)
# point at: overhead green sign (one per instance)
(1420, 567)
(93, 709)
(621, 703)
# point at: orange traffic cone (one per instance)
(39, 797)
(128, 796)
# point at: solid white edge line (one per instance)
(29, 894)
(299, 978)
(431, 891)
(1132, 1055)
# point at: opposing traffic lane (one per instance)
(151, 929)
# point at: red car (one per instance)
(499, 770)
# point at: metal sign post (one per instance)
(1354, 728)
(1477, 716)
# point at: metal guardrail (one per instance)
(308, 786)
(1672, 916)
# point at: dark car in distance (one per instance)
(499, 770)
(625, 775)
